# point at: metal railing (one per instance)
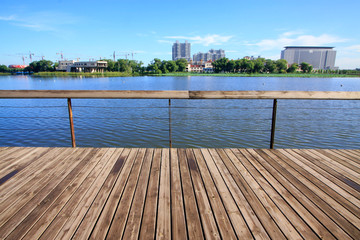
(98, 94)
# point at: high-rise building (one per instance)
(181, 50)
(211, 55)
(318, 57)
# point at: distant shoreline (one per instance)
(186, 74)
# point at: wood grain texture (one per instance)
(114, 193)
(127, 94)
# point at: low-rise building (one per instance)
(83, 66)
(200, 67)
(63, 64)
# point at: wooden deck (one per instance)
(97, 193)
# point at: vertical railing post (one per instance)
(71, 123)
(273, 124)
(170, 141)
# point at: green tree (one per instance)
(238, 65)
(171, 66)
(220, 65)
(4, 69)
(182, 64)
(281, 65)
(41, 66)
(249, 66)
(230, 66)
(293, 68)
(154, 66)
(110, 65)
(259, 65)
(270, 66)
(305, 67)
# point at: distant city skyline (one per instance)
(211, 55)
(144, 30)
(181, 51)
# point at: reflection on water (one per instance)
(195, 123)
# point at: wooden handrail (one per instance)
(129, 94)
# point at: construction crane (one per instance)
(30, 55)
(132, 55)
(22, 55)
(61, 55)
(126, 54)
(23, 58)
(42, 57)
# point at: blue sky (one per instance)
(93, 29)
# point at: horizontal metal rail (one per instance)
(100, 94)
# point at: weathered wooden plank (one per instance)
(42, 207)
(103, 223)
(47, 194)
(7, 152)
(206, 214)
(277, 207)
(19, 160)
(325, 95)
(221, 216)
(354, 152)
(125, 94)
(163, 229)
(73, 191)
(308, 199)
(87, 224)
(343, 159)
(26, 195)
(70, 210)
(148, 224)
(121, 215)
(337, 185)
(103, 94)
(179, 230)
(193, 221)
(132, 228)
(23, 189)
(26, 178)
(80, 213)
(229, 174)
(242, 178)
(241, 229)
(337, 167)
(355, 159)
(315, 184)
(330, 173)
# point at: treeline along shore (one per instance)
(157, 67)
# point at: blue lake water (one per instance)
(195, 123)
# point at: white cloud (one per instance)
(9, 18)
(207, 40)
(291, 33)
(355, 48)
(41, 21)
(165, 41)
(293, 38)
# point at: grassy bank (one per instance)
(302, 75)
(79, 74)
(185, 74)
(5, 74)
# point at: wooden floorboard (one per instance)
(131, 193)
